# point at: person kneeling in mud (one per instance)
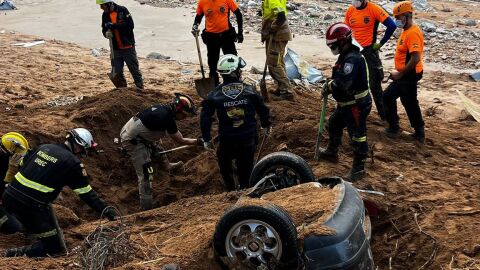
(141, 135)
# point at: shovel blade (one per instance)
(204, 86)
(116, 80)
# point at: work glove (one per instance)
(239, 37)
(200, 141)
(376, 46)
(327, 88)
(109, 34)
(281, 18)
(267, 131)
(195, 30)
(208, 146)
(110, 213)
(110, 26)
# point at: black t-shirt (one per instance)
(159, 117)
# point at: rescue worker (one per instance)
(117, 24)
(275, 27)
(408, 71)
(350, 88)
(12, 149)
(236, 104)
(44, 172)
(363, 17)
(141, 135)
(219, 32)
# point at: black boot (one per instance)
(15, 252)
(139, 86)
(331, 152)
(357, 171)
(392, 131)
(419, 134)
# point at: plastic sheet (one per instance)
(300, 69)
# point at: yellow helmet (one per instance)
(101, 2)
(13, 142)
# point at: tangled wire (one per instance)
(106, 247)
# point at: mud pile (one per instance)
(437, 181)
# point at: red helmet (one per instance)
(338, 31)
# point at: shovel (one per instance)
(203, 85)
(263, 84)
(320, 126)
(112, 74)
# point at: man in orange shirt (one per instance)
(219, 32)
(408, 71)
(363, 17)
(117, 24)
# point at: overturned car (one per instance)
(263, 230)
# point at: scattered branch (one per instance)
(435, 246)
(465, 213)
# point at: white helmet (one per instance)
(82, 137)
(229, 63)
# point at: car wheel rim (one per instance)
(284, 176)
(253, 241)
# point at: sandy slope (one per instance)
(434, 181)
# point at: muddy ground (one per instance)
(438, 182)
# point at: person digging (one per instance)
(236, 105)
(141, 135)
(43, 173)
(349, 86)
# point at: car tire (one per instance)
(295, 169)
(273, 231)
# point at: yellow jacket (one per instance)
(270, 8)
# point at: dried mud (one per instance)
(439, 181)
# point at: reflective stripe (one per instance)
(45, 234)
(34, 185)
(362, 94)
(83, 190)
(357, 96)
(361, 139)
(3, 220)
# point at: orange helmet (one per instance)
(402, 7)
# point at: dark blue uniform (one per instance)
(350, 88)
(43, 174)
(8, 223)
(236, 105)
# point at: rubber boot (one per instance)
(419, 135)
(357, 172)
(392, 131)
(15, 252)
(331, 152)
(139, 86)
(146, 202)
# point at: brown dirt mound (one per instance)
(438, 181)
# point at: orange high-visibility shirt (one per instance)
(364, 22)
(113, 18)
(216, 14)
(411, 40)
